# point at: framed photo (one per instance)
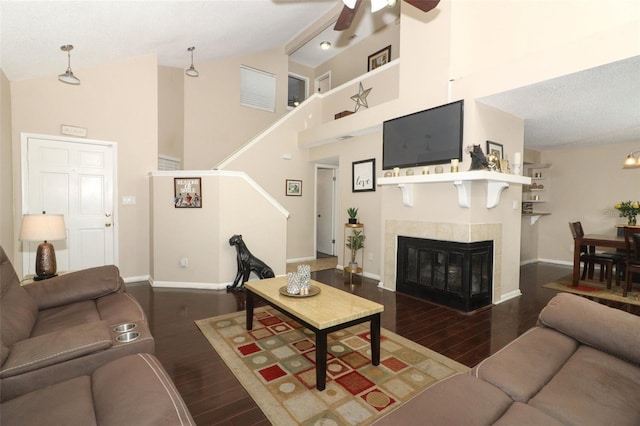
(187, 192)
(363, 175)
(293, 188)
(379, 58)
(496, 148)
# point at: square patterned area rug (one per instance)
(275, 362)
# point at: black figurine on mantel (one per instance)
(478, 160)
(247, 263)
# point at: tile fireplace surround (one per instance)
(464, 233)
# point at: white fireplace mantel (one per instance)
(496, 183)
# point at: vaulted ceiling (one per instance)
(592, 107)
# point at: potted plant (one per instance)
(355, 242)
(353, 215)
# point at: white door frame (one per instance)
(334, 211)
(317, 80)
(24, 139)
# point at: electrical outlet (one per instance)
(184, 262)
(371, 256)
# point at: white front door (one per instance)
(325, 208)
(75, 178)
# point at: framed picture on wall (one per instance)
(496, 148)
(187, 192)
(293, 188)
(380, 58)
(363, 175)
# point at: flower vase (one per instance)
(632, 221)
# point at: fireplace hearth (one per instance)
(454, 274)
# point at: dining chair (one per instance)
(607, 261)
(632, 245)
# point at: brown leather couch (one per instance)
(133, 390)
(64, 327)
(579, 366)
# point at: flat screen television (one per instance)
(432, 136)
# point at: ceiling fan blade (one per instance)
(424, 5)
(346, 17)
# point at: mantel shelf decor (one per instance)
(496, 183)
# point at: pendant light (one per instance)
(632, 161)
(68, 76)
(192, 71)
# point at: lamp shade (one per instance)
(43, 227)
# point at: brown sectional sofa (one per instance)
(61, 328)
(579, 366)
(133, 390)
(66, 359)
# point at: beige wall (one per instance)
(124, 110)
(7, 231)
(215, 123)
(494, 33)
(171, 112)
(458, 41)
(264, 161)
(201, 235)
(353, 62)
(584, 185)
(368, 203)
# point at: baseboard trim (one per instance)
(301, 259)
(511, 295)
(129, 280)
(189, 285)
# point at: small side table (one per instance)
(350, 269)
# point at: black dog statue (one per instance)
(247, 263)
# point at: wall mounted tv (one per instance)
(432, 136)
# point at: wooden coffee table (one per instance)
(324, 313)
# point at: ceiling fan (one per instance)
(351, 8)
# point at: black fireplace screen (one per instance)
(458, 275)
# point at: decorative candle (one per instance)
(396, 171)
(454, 165)
(516, 158)
(425, 170)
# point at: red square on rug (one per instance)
(272, 373)
(269, 321)
(249, 349)
(394, 364)
(355, 382)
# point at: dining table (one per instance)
(592, 241)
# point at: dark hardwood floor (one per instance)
(215, 397)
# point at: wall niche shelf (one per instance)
(496, 183)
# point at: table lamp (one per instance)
(44, 227)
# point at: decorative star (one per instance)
(361, 97)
